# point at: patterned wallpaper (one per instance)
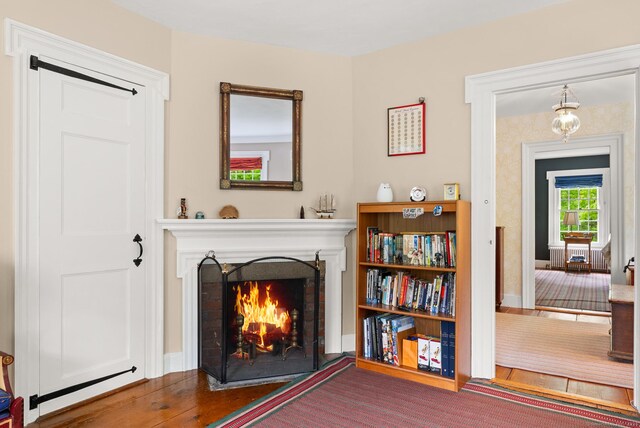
(511, 132)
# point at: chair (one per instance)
(11, 408)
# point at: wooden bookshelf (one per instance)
(388, 217)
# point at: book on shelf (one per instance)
(578, 258)
(452, 348)
(366, 339)
(398, 325)
(444, 349)
(384, 336)
(429, 354)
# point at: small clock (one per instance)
(418, 194)
(451, 191)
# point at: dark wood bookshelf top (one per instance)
(406, 369)
(411, 312)
(407, 267)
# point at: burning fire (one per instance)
(265, 321)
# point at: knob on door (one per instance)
(138, 240)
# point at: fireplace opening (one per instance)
(261, 319)
(262, 313)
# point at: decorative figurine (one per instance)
(199, 215)
(385, 194)
(326, 206)
(182, 210)
(228, 211)
(301, 211)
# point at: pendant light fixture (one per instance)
(566, 122)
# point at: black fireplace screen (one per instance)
(258, 319)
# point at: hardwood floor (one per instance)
(184, 399)
(174, 400)
(586, 393)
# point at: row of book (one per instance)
(392, 339)
(415, 249)
(437, 354)
(403, 290)
(383, 335)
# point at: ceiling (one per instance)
(343, 27)
(590, 93)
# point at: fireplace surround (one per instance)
(240, 240)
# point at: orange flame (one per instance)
(260, 314)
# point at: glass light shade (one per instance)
(566, 122)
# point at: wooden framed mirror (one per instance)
(260, 137)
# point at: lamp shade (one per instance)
(571, 218)
(566, 122)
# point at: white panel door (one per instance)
(92, 183)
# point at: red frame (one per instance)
(423, 111)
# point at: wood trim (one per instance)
(295, 96)
(565, 396)
(480, 92)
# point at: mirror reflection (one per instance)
(259, 137)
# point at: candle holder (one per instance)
(294, 336)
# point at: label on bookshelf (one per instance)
(412, 212)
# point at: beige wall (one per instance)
(344, 111)
(435, 69)
(511, 133)
(199, 64)
(97, 23)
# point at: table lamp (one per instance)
(571, 219)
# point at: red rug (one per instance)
(573, 290)
(341, 395)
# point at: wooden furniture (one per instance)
(577, 239)
(388, 217)
(621, 299)
(13, 416)
(499, 265)
(631, 270)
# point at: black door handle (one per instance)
(138, 241)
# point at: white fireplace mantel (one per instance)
(241, 240)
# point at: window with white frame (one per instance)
(249, 165)
(585, 192)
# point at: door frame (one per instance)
(22, 41)
(480, 92)
(609, 144)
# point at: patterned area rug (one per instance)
(573, 349)
(573, 290)
(341, 395)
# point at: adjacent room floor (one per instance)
(576, 391)
(579, 290)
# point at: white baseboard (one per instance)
(543, 264)
(173, 362)
(512, 301)
(348, 342)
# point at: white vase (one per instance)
(385, 194)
